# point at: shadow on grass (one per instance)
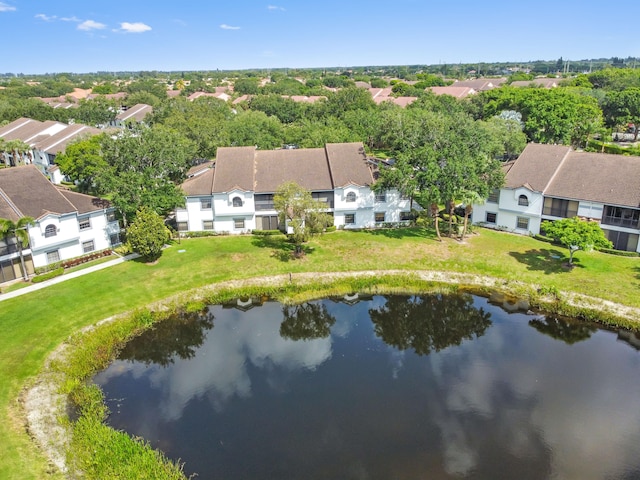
(547, 260)
(282, 248)
(416, 232)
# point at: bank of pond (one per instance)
(444, 384)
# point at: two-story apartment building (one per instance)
(551, 182)
(67, 224)
(236, 195)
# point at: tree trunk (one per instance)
(451, 211)
(25, 277)
(434, 214)
(467, 212)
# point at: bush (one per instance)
(542, 238)
(331, 228)
(267, 232)
(621, 253)
(73, 262)
(48, 268)
(48, 275)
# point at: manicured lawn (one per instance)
(34, 324)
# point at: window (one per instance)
(557, 207)
(494, 196)
(349, 218)
(491, 217)
(183, 226)
(381, 197)
(238, 223)
(523, 201)
(53, 257)
(88, 246)
(205, 204)
(111, 216)
(522, 223)
(379, 216)
(264, 201)
(207, 224)
(84, 223)
(405, 216)
(237, 202)
(114, 239)
(622, 217)
(50, 231)
(351, 197)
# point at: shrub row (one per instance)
(598, 146)
(266, 232)
(204, 233)
(621, 253)
(72, 262)
(46, 276)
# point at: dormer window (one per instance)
(50, 231)
(523, 201)
(351, 197)
(237, 202)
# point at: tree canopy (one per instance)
(576, 234)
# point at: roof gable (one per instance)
(536, 166)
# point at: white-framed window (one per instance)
(522, 223)
(53, 257)
(405, 216)
(84, 223)
(491, 217)
(88, 246)
(237, 202)
(523, 201)
(379, 217)
(183, 226)
(381, 197)
(494, 196)
(238, 223)
(50, 231)
(349, 218)
(351, 197)
(111, 216)
(207, 224)
(205, 204)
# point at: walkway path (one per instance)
(66, 276)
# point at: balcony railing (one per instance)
(621, 222)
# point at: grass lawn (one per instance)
(34, 324)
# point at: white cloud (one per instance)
(46, 18)
(136, 27)
(91, 25)
(276, 7)
(6, 8)
(70, 19)
(224, 26)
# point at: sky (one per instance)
(81, 36)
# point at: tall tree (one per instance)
(147, 234)
(20, 232)
(82, 161)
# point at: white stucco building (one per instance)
(67, 224)
(551, 182)
(236, 195)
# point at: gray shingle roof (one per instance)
(29, 193)
(536, 166)
(263, 171)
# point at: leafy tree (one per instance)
(19, 231)
(82, 161)
(104, 89)
(97, 111)
(306, 321)
(147, 234)
(255, 128)
(576, 234)
(246, 86)
(300, 212)
(145, 167)
(622, 108)
(429, 323)
(19, 151)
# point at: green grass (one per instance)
(34, 324)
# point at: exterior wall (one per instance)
(69, 239)
(226, 217)
(508, 211)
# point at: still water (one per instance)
(384, 387)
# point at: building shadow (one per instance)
(547, 260)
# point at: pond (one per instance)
(383, 387)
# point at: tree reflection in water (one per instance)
(429, 323)
(307, 321)
(181, 336)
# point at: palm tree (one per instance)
(19, 231)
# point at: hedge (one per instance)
(48, 275)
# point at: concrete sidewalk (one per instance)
(66, 276)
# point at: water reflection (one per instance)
(429, 323)
(459, 391)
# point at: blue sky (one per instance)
(88, 36)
